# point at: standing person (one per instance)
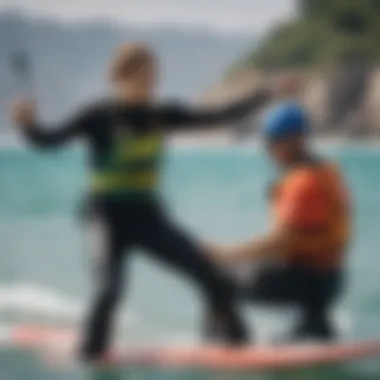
(125, 135)
(304, 253)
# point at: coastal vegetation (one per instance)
(324, 32)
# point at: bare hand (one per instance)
(23, 113)
(217, 253)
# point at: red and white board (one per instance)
(57, 346)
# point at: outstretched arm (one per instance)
(302, 207)
(287, 86)
(24, 116)
(185, 117)
(271, 244)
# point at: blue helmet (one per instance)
(284, 120)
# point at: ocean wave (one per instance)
(32, 303)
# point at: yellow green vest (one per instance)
(131, 165)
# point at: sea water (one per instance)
(218, 194)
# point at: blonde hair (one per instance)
(129, 58)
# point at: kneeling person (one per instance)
(305, 250)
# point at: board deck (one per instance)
(57, 346)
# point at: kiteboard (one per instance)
(57, 346)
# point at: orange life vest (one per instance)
(313, 200)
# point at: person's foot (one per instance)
(91, 355)
(226, 330)
(321, 333)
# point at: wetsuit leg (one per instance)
(315, 322)
(316, 306)
(166, 243)
(111, 242)
(313, 292)
(273, 285)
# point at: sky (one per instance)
(224, 16)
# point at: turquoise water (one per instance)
(219, 195)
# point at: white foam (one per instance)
(23, 301)
(30, 302)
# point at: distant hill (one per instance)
(325, 33)
(70, 60)
(334, 45)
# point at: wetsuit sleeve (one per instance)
(181, 117)
(55, 135)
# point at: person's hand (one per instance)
(217, 253)
(23, 113)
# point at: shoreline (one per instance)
(220, 140)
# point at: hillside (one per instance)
(334, 45)
(326, 32)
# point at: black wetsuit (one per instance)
(313, 292)
(126, 149)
